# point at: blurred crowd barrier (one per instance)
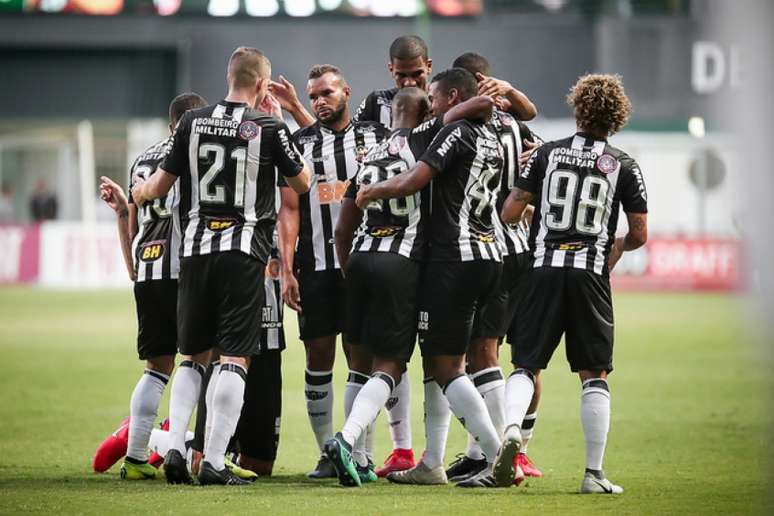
(78, 255)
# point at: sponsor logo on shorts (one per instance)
(383, 231)
(152, 251)
(220, 224)
(424, 321)
(248, 130)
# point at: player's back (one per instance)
(228, 197)
(579, 183)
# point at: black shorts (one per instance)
(323, 303)
(382, 314)
(450, 294)
(156, 302)
(567, 301)
(494, 318)
(258, 429)
(219, 303)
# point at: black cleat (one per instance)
(176, 469)
(324, 469)
(464, 467)
(208, 475)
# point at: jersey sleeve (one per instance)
(176, 162)
(130, 199)
(422, 135)
(365, 111)
(631, 187)
(445, 149)
(286, 156)
(533, 172)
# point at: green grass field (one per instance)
(689, 433)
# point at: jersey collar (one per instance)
(328, 130)
(584, 134)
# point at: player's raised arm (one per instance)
(401, 185)
(520, 105)
(477, 108)
(349, 219)
(286, 95)
(113, 195)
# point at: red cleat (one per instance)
(155, 459)
(526, 465)
(112, 448)
(398, 460)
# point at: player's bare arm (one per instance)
(301, 182)
(477, 108)
(401, 185)
(515, 205)
(520, 105)
(285, 93)
(114, 196)
(528, 148)
(157, 186)
(634, 239)
(349, 219)
(288, 224)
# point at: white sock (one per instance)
(208, 396)
(159, 441)
(399, 414)
(527, 429)
(518, 395)
(491, 385)
(369, 443)
(319, 404)
(355, 382)
(143, 409)
(183, 399)
(595, 417)
(227, 407)
(368, 403)
(473, 450)
(437, 418)
(466, 403)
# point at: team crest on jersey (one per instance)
(248, 130)
(151, 251)
(607, 164)
(396, 144)
(360, 153)
(220, 224)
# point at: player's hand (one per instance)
(290, 292)
(112, 194)
(527, 150)
(364, 197)
(502, 104)
(285, 93)
(616, 251)
(273, 269)
(137, 192)
(271, 105)
(492, 86)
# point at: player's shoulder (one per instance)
(383, 95)
(156, 151)
(550, 146)
(307, 135)
(627, 163)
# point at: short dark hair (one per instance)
(408, 47)
(246, 65)
(183, 103)
(474, 63)
(412, 98)
(457, 78)
(319, 70)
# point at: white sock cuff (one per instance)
(196, 366)
(598, 385)
(488, 379)
(318, 377)
(163, 378)
(234, 368)
(357, 378)
(386, 378)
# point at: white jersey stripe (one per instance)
(251, 191)
(193, 213)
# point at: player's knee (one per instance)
(163, 364)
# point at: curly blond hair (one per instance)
(600, 103)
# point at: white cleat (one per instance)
(594, 485)
(503, 470)
(420, 474)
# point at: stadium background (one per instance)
(83, 94)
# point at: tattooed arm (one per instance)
(515, 205)
(634, 239)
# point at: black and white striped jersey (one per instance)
(468, 159)
(395, 225)
(334, 157)
(579, 183)
(376, 107)
(272, 333)
(513, 238)
(156, 247)
(227, 156)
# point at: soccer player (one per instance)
(225, 156)
(464, 162)
(493, 320)
(311, 276)
(153, 263)
(383, 270)
(577, 185)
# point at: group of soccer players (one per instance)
(432, 212)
